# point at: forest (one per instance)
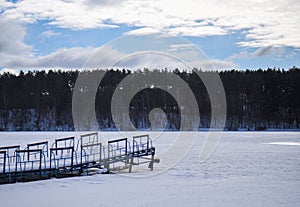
(256, 99)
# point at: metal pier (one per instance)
(63, 159)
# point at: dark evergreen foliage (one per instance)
(256, 100)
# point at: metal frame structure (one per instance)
(62, 161)
(89, 143)
(3, 161)
(29, 164)
(37, 161)
(9, 162)
(39, 145)
(64, 142)
(118, 151)
(142, 147)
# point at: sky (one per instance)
(230, 34)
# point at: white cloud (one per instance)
(50, 33)
(143, 31)
(11, 39)
(177, 47)
(152, 60)
(69, 58)
(214, 64)
(4, 5)
(276, 53)
(196, 31)
(14, 53)
(265, 23)
(65, 14)
(103, 3)
(8, 70)
(107, 57)
(270, 50)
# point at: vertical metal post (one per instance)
(50, 164)
(100, 155)
(4, 162)
(16, 162)
(16, 172)
(28, 154)
(72, 159)
(56, 146)
(131, 163)
(108, 157)
(133, 146)
(47, 149)
(40, 163)
(152, 162)
(147, 143)
(81, 151)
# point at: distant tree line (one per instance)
(256, 100)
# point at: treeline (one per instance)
(256, 100)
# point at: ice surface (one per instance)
(246, 169)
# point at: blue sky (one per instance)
(231, 34)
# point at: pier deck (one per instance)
(63, 159)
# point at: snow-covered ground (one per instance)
(246, 169)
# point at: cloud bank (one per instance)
(264, 23)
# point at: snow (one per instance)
(246, 169)
(284, 143)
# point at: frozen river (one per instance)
(246, 169)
